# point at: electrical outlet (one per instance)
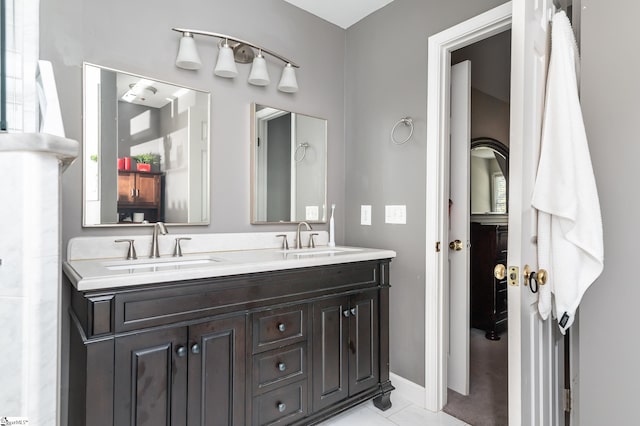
(395, 214)
(365, 215)
(311, 213)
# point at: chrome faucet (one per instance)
(298, 239)
(157, 227)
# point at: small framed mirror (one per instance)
(288, 166)
(489, 177)
(146, 150)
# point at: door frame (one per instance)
(440, 47)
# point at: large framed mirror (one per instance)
(489, 177)
(146, 150)
(288, 166)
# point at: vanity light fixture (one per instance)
(188, 57)
(232, 50)
(226, 65)
(288, 82)
(259, 75)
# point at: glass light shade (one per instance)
(259, 75)
(226, 65)
(288, 82)
(188, 57)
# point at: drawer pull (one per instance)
(281, 407)
(281, 327)
(195, 349)
(282, 366)
(181, 351)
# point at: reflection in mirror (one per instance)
(146, 150)
(289, 166)
(489, 176)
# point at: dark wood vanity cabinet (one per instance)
(488, 294)
(345, 347)
(276, 348)
(181, 375)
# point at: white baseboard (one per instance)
(408, 390)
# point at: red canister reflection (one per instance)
(120, 163)
(127, 163)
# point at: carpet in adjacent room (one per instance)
(487, 403)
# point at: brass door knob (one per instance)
(540, 276)
(455, 245)
(534, 279)
(500, 271)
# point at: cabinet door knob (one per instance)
(282, 366)
(181, 351)
(354, 311)
(281, 407)
(281, 327)
(195, 348)
(346, 313)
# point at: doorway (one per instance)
(533, 350)
(477, 375)
(441, 46)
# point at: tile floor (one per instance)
(401, 413)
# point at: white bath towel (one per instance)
(570, 243)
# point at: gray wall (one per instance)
(137, 37)
(279, 169)
(609, 343)
(386, 79)
(108, 153)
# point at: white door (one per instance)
(458, 362)
(534, 353)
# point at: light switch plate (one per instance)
(311, 213)
(395, 214)
(365, 215)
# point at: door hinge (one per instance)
(567, 400)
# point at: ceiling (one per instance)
(342, 13)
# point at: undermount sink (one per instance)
(158, 263)
(319, 251)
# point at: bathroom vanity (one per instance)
(244, 337)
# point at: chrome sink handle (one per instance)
(177, 250)
(312, 244)
(285, 243)
(131, 253)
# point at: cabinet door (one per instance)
(330, 351)
(151, 378)
(147, 188)
(217, 373)
(126, 187)
(363, 342)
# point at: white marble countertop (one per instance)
(65, 149)
(96, 273)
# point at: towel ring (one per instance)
(304, 147)
(407, 121)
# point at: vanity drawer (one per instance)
(282, 406)
(279, 327)
(276, 368)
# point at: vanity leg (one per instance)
(383, 402)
